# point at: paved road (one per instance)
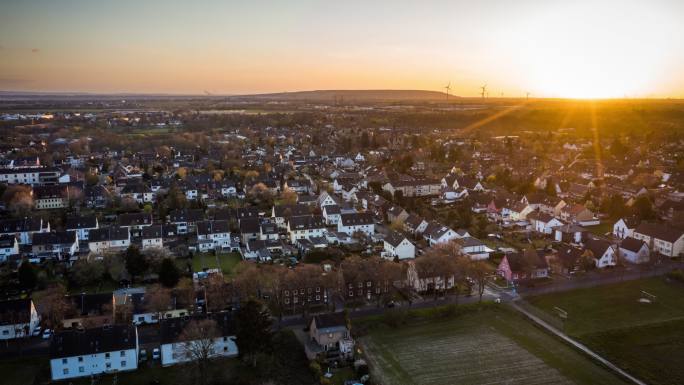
(576, 344)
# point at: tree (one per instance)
(288, 197)
(168, 273)
(86, 273)
(28, 278)
(217, 293)
(253, 334)
(478, 271)
(19, 199)
(136, 263)
(643, 208)
(54, 306)
(199, 338)
(157, 299)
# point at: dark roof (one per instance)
(291, 210)
(515, 260)
(306, 222)
(110, 338)
(186, 215)
(394, 238)
(171, 328)
(60, 237)
(134, 219)
(7, 240)
(108, 234)
(568, 254)
(249, 225)
(20, 225)
(632, 244)
(331, 209)
(330, 320)
(81, 222)
(356, 219)
(15, 311)
(154, 231)
(659, 231)
(597, 246)
(212, 227)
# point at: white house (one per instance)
(665, 240)
(543, 223)
(634, 250)
(436, 233)
(82, 225)
(86, 352)
(18, 318)
(397, 245)
(603, 251)
(213, 235)
(331, 213)
(175, 349)
(109, 238)
(305, 227)
(624, 228)
(142, 315)
(8, 246)
(152, 237)
(24, 228)
(356, 222)
(475, 248)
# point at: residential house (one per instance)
(568, 258)
(634, 250)
(143, 314)
(396, 214)
(138, 192)
(280, 213)
(152, 237)
(543, 223)
(578, 213)
(396, 245)
(135, 222)
(602, 251)
(474, 247)
(24, 228)
(18, 318)
(186, 219)
(214, 235)
(82, 224)
(60, 244)
(9, 246)
(89, 309)
(329, 338)
(436, 233)
(331, 213)
(530, 264)
(109, 239)
(249, 229)
(569, 233)
(305, 227)
(415, 224)
(624, 227)
(413, 188)
(89, 352)
(176, 348)
(356, 222)
(663, 239)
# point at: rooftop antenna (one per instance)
(448, 88)
(484, 90)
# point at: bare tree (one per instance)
(157, 299)
(55, 306)
(478, 271)
(199, 340)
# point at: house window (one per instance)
(80, 359)
(360, 284)
(123, 364)
(64, 361)
(109, 365)
(368, 283)
(225, 348)
(287, 292)
(81, 369)
(65, 371)
(106, 355)
(351, 293)
(318, 298)
(287, 301)
(123, 353)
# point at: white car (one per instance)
(156, 354)
(36, 332)
(47, 333)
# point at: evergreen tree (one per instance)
(253, 334)
(168, 273)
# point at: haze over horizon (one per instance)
(549, 48)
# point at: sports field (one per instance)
(638, 325)
(493, 346)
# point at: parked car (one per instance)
(142, 356)
(47, 333)
(36, 332)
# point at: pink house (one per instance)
(513, 266)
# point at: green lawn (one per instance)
(227, 262)
(646, 339)
(602, 229)
(494, 345)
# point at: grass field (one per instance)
(602, 228)
(492, 346)
(226, 262)
(646, 339)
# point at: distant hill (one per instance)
(351, 95)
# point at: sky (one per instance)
(549, 48)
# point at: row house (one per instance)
(413, 188)
(33, 176)
(174, 344)
(280, 213)
(396, 245)
(356, 222)
(18, 318)
(305, 227)
(214, 235)
(663, 239)
(138, 192)
(106, 239)
(82, 225)
(186, 219)
(152, 237)
(23, 229)
(9, 246)
(60, 244)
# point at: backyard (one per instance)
(226, 262)
(494, 345)
(638, 325)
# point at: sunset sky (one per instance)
(547, 47)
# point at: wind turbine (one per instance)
(448, 88)
(484, 90)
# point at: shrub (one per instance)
(676, 274)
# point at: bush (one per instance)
(395, 317)
(677, 275)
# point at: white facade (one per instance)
(640, 256)
(92, 364)
(607, 259)
(621, 230)
(148, 243)
(8, 332)
(176, 352)
(404, 250)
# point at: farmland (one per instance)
(646, 339)
(494, 345)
